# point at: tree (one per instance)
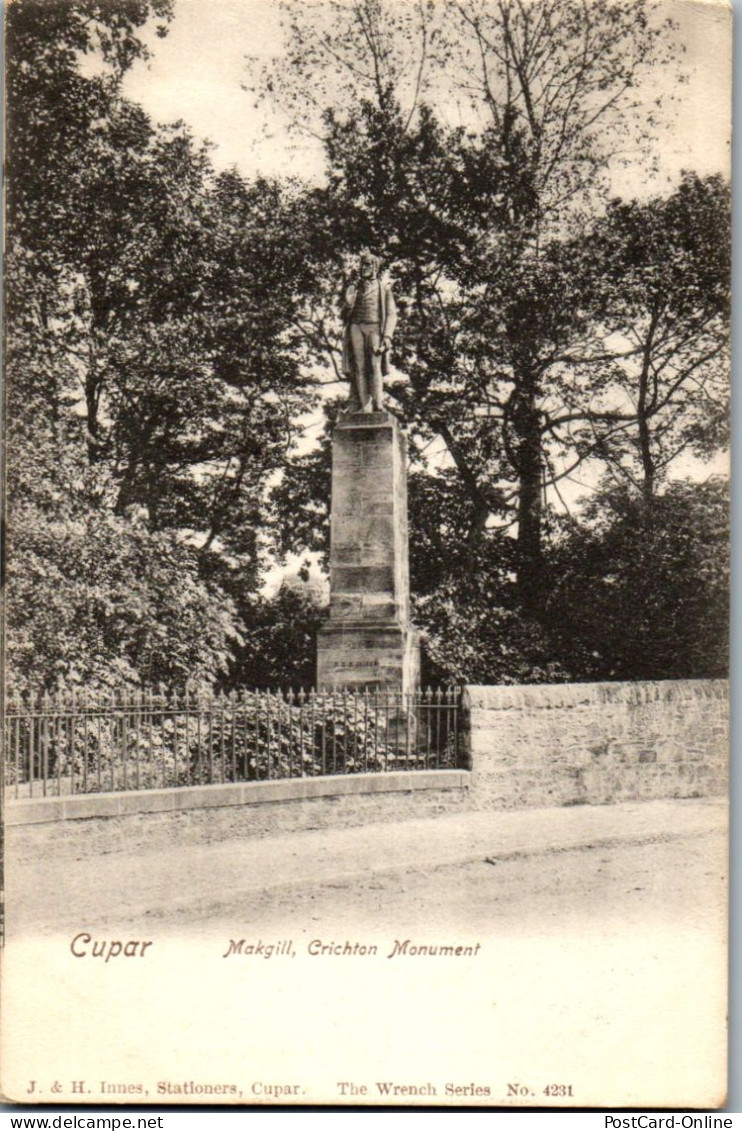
(98, 602)
(279, 646)
(57, 113)
(641, 586)
(663, 297)
(465, 600)
(153, 372)
(93, 598)
(473, 218)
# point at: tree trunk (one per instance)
(529, 466)
(643, 413)
(92, 401)
(647, 459)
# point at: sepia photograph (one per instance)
(366, 478)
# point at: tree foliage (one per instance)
(641, 586)
(169, 328)
(154, 369)
(279, 645)
(543, 325)
(475, 216)
(663, 297)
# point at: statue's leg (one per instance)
(358, 347)
(377, 381)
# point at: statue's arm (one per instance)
(348, 299)
(391, 314)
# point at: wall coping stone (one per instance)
(37, 810)
(547, 696)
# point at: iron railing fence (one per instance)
(68, 744)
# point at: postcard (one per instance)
(366, 479)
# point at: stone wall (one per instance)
(593, 743)
(35, 830)
(530, 746)
(382, 794)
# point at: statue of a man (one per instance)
(370, 316)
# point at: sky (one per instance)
(197, 73)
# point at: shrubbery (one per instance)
(153, 742)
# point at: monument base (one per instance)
(368, 641)
(361, 656)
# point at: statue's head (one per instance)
(369, 264)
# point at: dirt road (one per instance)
(678, 884)
(654, 862)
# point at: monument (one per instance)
(368, 640)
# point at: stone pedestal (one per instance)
(368, 640)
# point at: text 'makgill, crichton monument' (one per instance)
(368, 640)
